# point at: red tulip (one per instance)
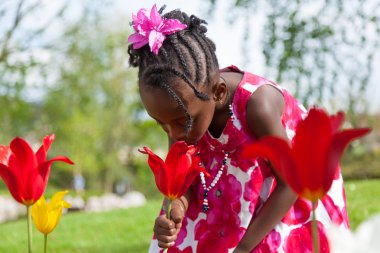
(309, 165)
(25, 173)
(174, 175)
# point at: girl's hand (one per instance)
(166, 230)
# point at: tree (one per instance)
(21, 47)
(94, 106)
(326, 47)
(87, 94)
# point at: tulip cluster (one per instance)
(26, 175)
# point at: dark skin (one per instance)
(264, 112)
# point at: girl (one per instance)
(243, 206)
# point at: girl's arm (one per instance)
(264, 111)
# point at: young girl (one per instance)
(243, 206)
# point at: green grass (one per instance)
(119, 231)
(363, 200)
(130, 230)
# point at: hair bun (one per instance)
(197, 24)
(193, 22)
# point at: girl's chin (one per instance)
(192, 141)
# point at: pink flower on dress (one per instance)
(299, 240)
(152, 28)
(217, 238)
(222, 225)
(182, 233)
(270, 243)
(252, 190)
(298, 213)
(335, 213)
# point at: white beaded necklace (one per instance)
(205, 206)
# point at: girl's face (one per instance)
(171, 117)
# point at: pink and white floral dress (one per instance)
(244, 187)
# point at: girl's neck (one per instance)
(221, 114)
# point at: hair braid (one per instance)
(190, 48)
(179, 54)
(189, 120)
(159, 69)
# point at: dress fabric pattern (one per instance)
(244, 187)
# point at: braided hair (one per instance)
(187, 54)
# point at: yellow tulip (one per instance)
(46, 215)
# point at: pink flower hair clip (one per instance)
(151, 29)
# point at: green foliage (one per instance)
(324, 49)
(91, 102)
(358, 163)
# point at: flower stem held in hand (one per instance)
(169, 202)
(29, 224)
(314, 230)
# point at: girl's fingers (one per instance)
(164, 231)
(166, 241)
(164, 222)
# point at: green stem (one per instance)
(45, 243)
(314, 229)
(29, 223)
(169, 201)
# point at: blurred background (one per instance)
(64, 70)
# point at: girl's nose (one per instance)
(175, 134)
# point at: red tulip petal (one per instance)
(5, 152)
(155, 162)
(338, 144)
(24, 155)
(278, 152)
(178, 150)
(41, 153)
(23, 163)
(310, 147)
(191, 175)
(11, 181)
(336, 121)
(192, 150)
(158, 168)
(61, 159)
(178, 163)
(40, 179)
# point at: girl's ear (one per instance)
(219, 90)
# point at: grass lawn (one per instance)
(119, 231)
(363, 200)
(130, 230)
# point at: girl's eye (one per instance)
(181, 123)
